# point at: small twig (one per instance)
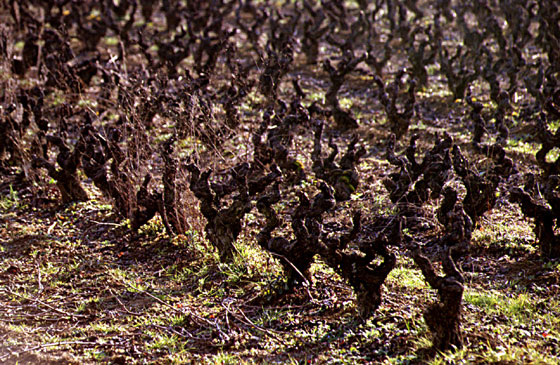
(51, 227)
(287, 307)
(40, 285)
(45, 345)
(27, 317)
(107, 223)
(46, 305)
(250, 323)
(124, 307)
(227, 312)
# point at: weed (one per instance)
(10, 201)
(225, 359)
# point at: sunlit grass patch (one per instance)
(502, 354)
(408, 278)
(487, 301)
(131, 280)
(111, 41)
(153, 228)
(316, 96)
(522, 147)
(107, 327)
(162, 341)
(513, 354)
(346, 103)
(225, 359)
(518, 307)
(552, 155)
(510, 237)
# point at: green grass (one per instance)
(520, 146)
(407, 277)
(499, 355)
(224, 359)
(346, 103)
(162, 341)
(552, 155)
(520, 307)
(10, 201)
(511, 237)
(111, 41)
